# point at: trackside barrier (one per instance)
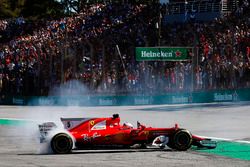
(98, 100)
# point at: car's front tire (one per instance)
(181, 140)
(61, 143)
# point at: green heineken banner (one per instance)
(161, 53)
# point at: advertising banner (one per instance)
(99, 100)
(161, 54)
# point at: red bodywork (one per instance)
(108, 131)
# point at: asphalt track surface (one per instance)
(19, 145)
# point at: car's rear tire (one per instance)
(61, 143)
(181, 140)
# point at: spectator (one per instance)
(42, 54)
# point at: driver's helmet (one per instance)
(128, 125)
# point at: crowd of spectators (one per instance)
(97, 48)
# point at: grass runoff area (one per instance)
(13, 122)
(229, 149)
(224, 148)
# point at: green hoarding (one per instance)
(161, 54)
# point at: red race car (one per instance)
(80, 133)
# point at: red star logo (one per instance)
(178, 53)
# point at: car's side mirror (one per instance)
(115, 116)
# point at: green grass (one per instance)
(229, 149)
(13, 122)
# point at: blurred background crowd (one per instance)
(96, 48)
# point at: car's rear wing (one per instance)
(69, 123)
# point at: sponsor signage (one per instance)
(179, 99)
(106, 102)
(142, 100)
(45, 101)
(73, 102)
(223, 97)
(161, 54)
(18, 101)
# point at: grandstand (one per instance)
(97, 48)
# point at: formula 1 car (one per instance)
(80, 133)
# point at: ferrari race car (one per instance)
(80, 133)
